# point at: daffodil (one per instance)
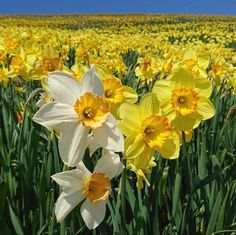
(4, 76)
(115, 93)
(147, 68)
(80, 184)
(232, 83)
(218, 71)
(195, 62)
(141, 170)
(77, 110)
(146, 131)
(185, 99)
(3, 54)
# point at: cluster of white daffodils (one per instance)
(77, 110)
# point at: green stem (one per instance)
(184, 144)
(123, 198)
(186, 164)
(223, 231)
(188, 179)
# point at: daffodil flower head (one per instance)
(185, 99)
(80, 184)
(146, 130)
(147, 68)
(49, 64)
(115, 93)
(141, 170)
(78, 109)
(4, 76)
(17, 64)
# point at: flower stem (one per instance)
(184, 144)
(123, 199)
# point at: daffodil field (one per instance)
(117, 124)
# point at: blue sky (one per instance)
(222, 7)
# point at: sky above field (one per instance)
(220, 7)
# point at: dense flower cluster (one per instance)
(91, 108)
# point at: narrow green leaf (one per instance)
(15, 221)
(214, 214)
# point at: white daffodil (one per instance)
(77, 110)
(80, 183)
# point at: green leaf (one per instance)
(15, 221)
(3, 194)
(214, 214)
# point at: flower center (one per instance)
(17, 64)
(113, 91)
(149, 130)
(184, 101)
(156, 131)
(108, 93)
(190, 63)
(96, 188)
(88, 112)
(50, 64)
(91, 110)
(181, 99)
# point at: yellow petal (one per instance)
(203, 86)
(130, 95)
(182, 78)
(205, 108)
(203, 61)
(134, 146)
(144, 158)
(131, 118)
(162, 89)
(167, 109)
(170, 148)
(149, 105)
(184, 123)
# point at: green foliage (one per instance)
(195, 194)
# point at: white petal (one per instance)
(81, 167)
(52, 114)
(72, 143)
(63, 88)
(93, 213)
(40, 102)
(92, 145)
(109, 138)
(70, 181)
(91, 82)
(111, 121)
(109, 164)
(66, 203)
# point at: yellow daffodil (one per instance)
(147, 68)
(232, 83)
(185, 99)
(4, 76)
(115, 93)
(195, 62)
(3, 54)
(146, 130)
(141, 169)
